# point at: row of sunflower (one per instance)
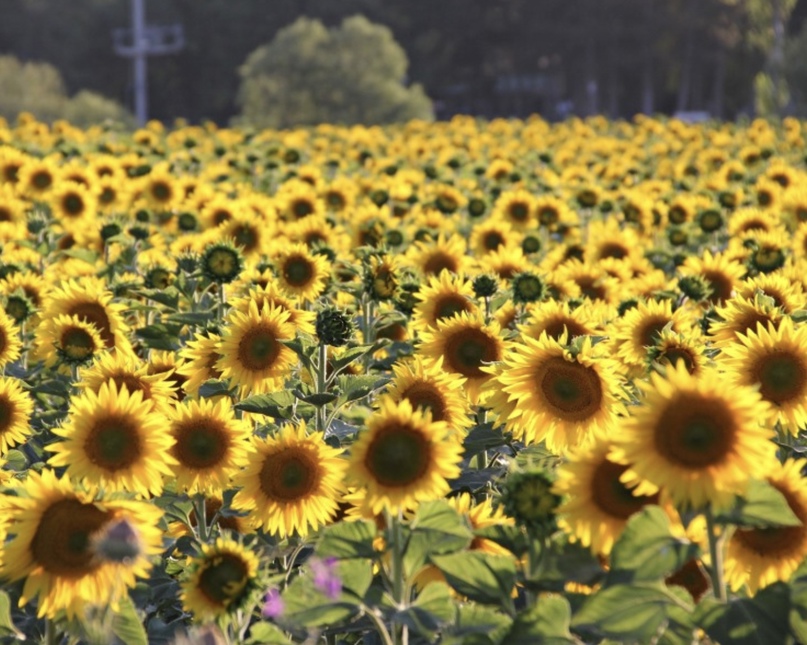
(475, 382)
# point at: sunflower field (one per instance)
(497, 383)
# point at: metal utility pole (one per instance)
(138, 43)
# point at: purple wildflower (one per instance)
(326, 578)
(273, 605)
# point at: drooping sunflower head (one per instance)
(292, 483)
(529, 498)
(219, 580)
(466, 345)
(403, 457)
(699, 438)
(221, 262)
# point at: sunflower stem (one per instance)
(379, 625)
(222, 301)
(322, 385)
(52, 636)
(716, 553)
(399, 633)
(200, 508)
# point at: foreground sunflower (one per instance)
(543, 391)
(597, 504)
(465, 344)
(292, 483)
(113, 439)
(252, 354)
(209, 444)
(55, 528)
(759, 557)
(774, 360)
(403, 457)
(220, 579)
(68, 342)
(698, 438)
(16, 408)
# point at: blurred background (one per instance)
(287, 62)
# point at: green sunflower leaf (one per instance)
(647, 550)
(264, 633)
(354, 388)
(192, 318)
(761, 620)
(761, 506)
(127, 625)
(547, 622)
(347, 540)
(477, 625)
(168, 297)
(436, 529)
(632, 613)
(432, 609)
(7, 627)
(479, 576)
(346, 357)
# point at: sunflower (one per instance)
(427, 386)
(688, 348)
(481, 515)
(248, 232)
(300, 272)
(273, 296)
(167, 364)
(67, 341)
(465, 344)
(129, 372)
(160, 189)
(10, 343)
(761, 556)
(556, 318)
(55, 528)
(252, 354)
(740, 316)
(774, 360)
(443, 297)
(786, 293)
(446, 253)
(37, 178)
(90, 301)
(403, 457)
(490, 235)
(698, 438)
(113, 439)
(546, 391)
(517, 208)
(209, 444)
(722, 274)
(597, 503)
(200, 358)
(16, 408)
(593, 282)
(505, 262)
(73, 205)
(640, 329)
(219, 579)
(292, 483)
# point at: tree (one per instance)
(38, 88)
(310, 74)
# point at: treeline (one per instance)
(509, 57)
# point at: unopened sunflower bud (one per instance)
(485, 286)
(527, 287)
(334, 327)
(695, 287)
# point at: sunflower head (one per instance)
(222, 262)
(485, 286)
(528, 497)
(527, 287)
(334, 327)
